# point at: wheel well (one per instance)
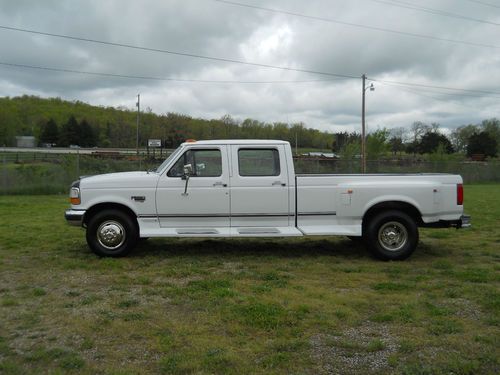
(105, 206)
(405, 207)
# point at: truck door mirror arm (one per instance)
(188, 171)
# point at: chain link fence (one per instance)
(52, 173)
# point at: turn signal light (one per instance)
(74, 196)
(190, 140)
(75, 201)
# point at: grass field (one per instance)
(304, 306)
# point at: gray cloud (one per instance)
(210, 28)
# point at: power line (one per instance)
(343, 76)
(484, 3)
(375, 28)
(415, 92)
(170, 52)
(439, 12)
(151, 78)
(434, 86)
(103, 74)
(433, 91)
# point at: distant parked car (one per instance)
(329, 155)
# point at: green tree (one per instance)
(492, 127)
(88, 136)
(50, 132)
(460, 136)
(376, 144)
(396, 145)
(482, 143)
(339, 141)
(418, 129)
(70, 133)
(351, 150)
(430, 141)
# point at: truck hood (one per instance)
(122, 180)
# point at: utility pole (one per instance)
(363, 140)
(296, 144)
(296, 136)
(363, 128)
(138, 104)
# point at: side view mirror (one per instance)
(188, 171)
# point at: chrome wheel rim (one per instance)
(392, 236)
(111, 234)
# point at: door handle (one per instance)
(220, 183)
(278, 183)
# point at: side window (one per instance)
(205, 163)
(258, 162)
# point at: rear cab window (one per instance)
(254, 162)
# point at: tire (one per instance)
(391, 235)
(112, 233)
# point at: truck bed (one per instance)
(339, 201)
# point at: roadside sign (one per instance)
(154, 143)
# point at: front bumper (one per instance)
(74, 217)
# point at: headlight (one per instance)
(74, 196)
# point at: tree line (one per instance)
(63, 123)
(422, 138)
(70, 133)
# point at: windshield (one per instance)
(167, 160)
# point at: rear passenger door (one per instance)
(259, 186)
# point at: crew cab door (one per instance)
(259, 187)
(205, 202)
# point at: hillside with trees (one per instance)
(58, 122)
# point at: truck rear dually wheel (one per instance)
(391, 235)
(111, 233)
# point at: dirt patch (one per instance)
(363, 349)
(465, 309)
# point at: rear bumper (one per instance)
(463, 222)
(74, 217)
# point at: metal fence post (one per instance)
(77, 163)
(4, 172)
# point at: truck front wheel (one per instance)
(391, 235)
(111, 233)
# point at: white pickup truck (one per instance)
(248, 188)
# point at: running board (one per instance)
(258, 231)
(197, 231)
(220, 232)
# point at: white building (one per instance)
(25, 141)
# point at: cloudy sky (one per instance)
(458, 46)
